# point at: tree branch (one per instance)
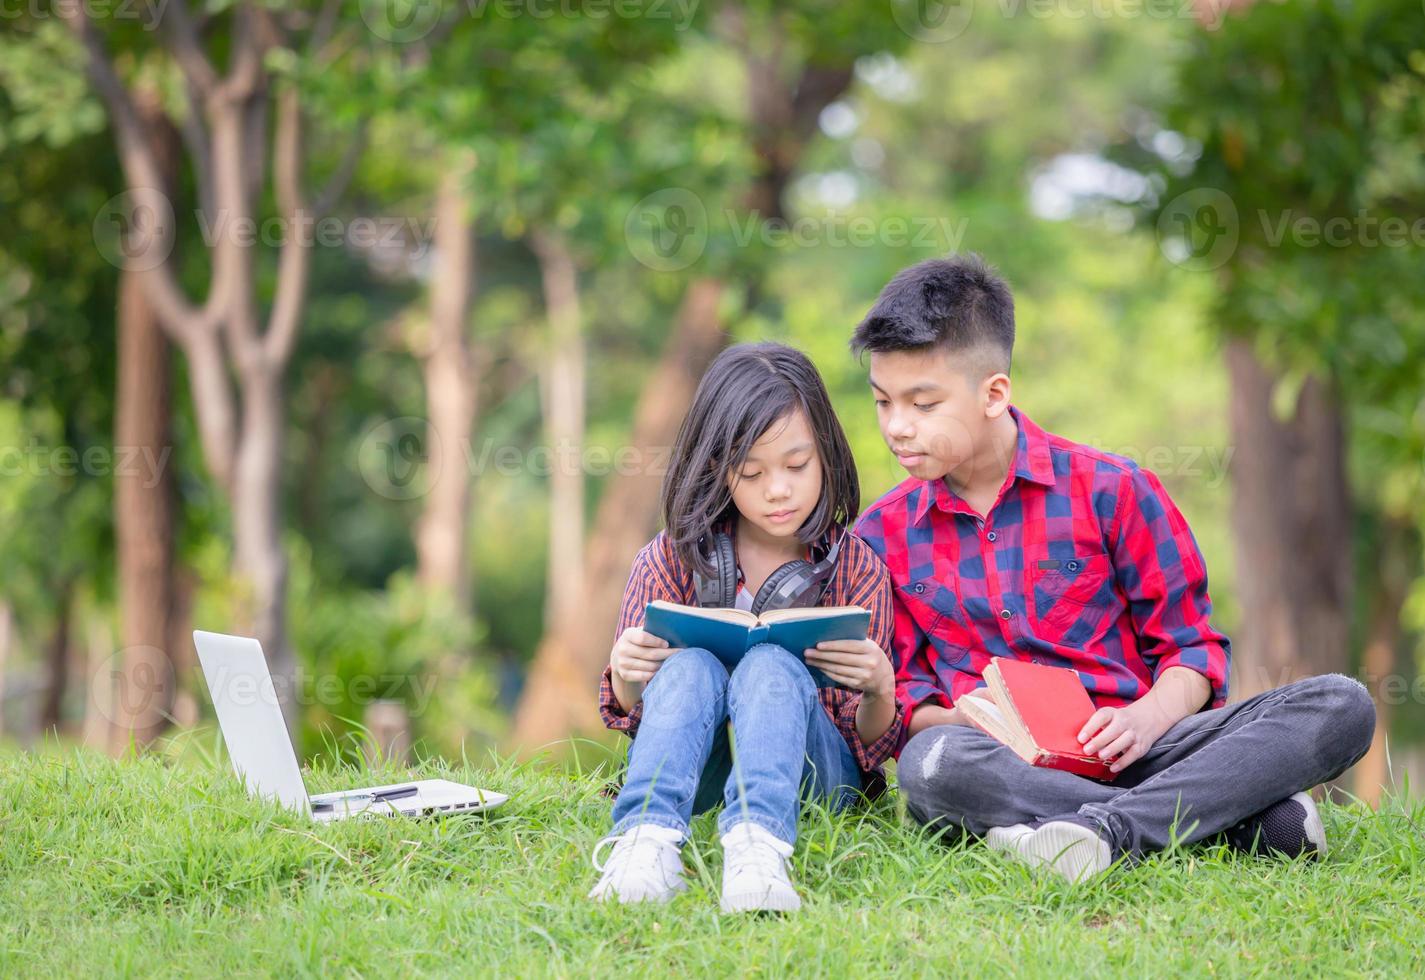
(195, 138)
(188, 50)
(294, 262)
(141, 171)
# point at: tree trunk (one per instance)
(784, 104)
(451, 391)
(561, 694)
(57, 662)
(1394, 572)
(1291, 516)
(144, 495)
(259, 560)
(7, 642)
(562, 388)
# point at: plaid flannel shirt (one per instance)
(1082, 562)
(859, 580)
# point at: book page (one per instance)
(812, 612)
(739, 616)
(997, 723)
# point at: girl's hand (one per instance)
(858, 664)
(637, 655)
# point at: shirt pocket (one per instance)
(1065, 592)
(935, 606)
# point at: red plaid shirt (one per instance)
(1082, 562)
(859, 580)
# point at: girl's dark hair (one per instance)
(747, 390)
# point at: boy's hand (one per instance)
(1124, 734)
(858, 664)
(637, 655)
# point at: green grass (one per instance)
(154, 867)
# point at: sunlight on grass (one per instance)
(162, 865)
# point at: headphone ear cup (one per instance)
(775, 581)
(724, 559)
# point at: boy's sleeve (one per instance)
(1164, 579)
(651, 578)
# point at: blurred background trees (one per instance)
(365, 327)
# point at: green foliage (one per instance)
(161, 866)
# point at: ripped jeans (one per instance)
(1208, 772)
(784, 747)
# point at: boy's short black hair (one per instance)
(959, 304)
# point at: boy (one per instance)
(1009, 541)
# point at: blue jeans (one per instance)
(784, 747)
(1206, 773)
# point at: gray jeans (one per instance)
(1207, 773)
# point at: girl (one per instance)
(761, 476)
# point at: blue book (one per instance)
(730, 633)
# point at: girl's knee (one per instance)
(768, 670)
(692, 670)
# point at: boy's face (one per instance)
(779, 484)
(934, 409)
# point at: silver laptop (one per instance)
(251, 719)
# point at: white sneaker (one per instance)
(1069, 846)
(754, 871)
(1007, 838)
(645, 866)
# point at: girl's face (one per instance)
(779, 484)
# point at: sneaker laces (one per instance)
(631, 839)
(757, 852)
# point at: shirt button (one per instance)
(1072, 566)
(919, 588)
(992, 535)
(1005, 614)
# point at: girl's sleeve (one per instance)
(653, 576)
(871, 590)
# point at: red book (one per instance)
(1038, 712)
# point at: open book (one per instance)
(1038, 712)
(730, 633)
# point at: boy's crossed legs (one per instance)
(1211, 772)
